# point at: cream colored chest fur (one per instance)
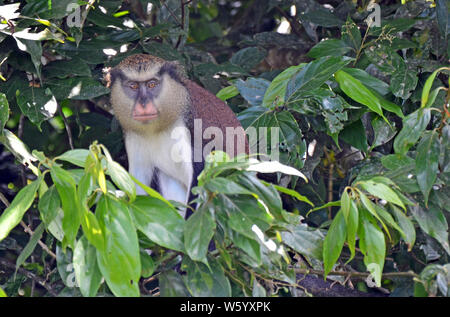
(169, 152)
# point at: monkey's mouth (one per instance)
(145, 118)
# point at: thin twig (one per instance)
(357, 274)
(30, 275)
(171, 12)
(66, 124)
(27, 229)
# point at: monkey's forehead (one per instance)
(140, 62)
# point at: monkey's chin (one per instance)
(146, 118)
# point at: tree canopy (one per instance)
(357, 93)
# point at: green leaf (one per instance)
(276, 91)
(386, 216)
(413, 126)
(385, 59)
(372, 245)
(66, 186)
(249, 57)
(172, 285)
(120, 262)
(225, 186)
(32, 47)
(290, 192)
(31, 245)
(159, 222)
(119, 176)
(37, 105)
(355, 135)
(252, 90)
(351, 34)
(313, 75)
(227, 93)
(372, 82)
(334, 242)
(87, 272)
(19, 149)
(148, 265)
(244, 215)
(406, 225)
(304, 240)
(433, 222)
(150, 191)
(76, 157)
(66, 68)
(329, 47)
(204, 281)
(352, 228)
(382, 191)
(89, 223)
(428, 85)
(371, 208)
(427, 162)
(358, 92)
(403, 82)
(12, 215)
(383, 132)
(321, 16)
(345, 205)
(442, 16)
(2, 293)
(163, 51)
(48, 205)
(76, 88)
(198, 232)
(4, 111)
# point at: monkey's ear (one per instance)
(174, 69)
(110, 75)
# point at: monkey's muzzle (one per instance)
(145, 113)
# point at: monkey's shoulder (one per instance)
(209, 108)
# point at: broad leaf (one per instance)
(87, 272)
(66, 186)
(12, 215)
(330, 47)
(159, 222)
(252, 90)
(313, 75)
(304, 240)
(413, 126)
(205, 281)
(334, 242)
(433, 222)
(4, 111)
(198, 232)
(120, 262)
(427, 162)
(276, 91)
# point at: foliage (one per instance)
(362, 112)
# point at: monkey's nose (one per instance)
(144, 112)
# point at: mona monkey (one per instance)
(168, 121)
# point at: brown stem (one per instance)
(66, 124)
(5, 201)
(357, 274)
(30, 275)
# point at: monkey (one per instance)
(168, 123)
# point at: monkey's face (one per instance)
(144, 94)
(147, 97)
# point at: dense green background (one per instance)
(363, 114)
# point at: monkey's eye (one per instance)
(152, 83)
(133, 85)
